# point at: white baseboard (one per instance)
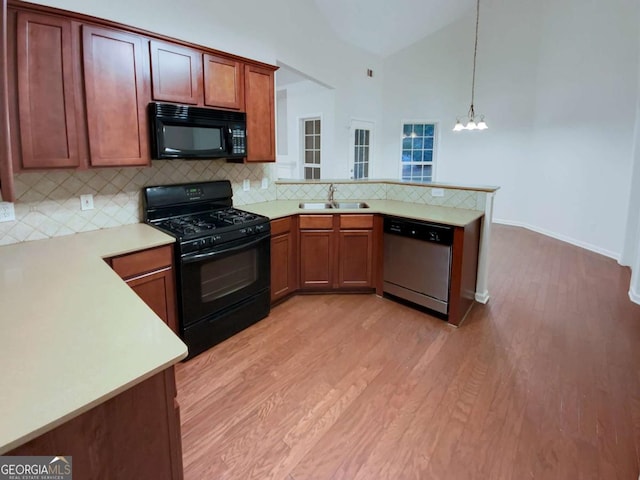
(482, 297)
(559, 236)
(635, 298)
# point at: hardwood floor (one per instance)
(542, 382)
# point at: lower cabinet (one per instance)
(150, 274)
(316, 252)
(337, 252)
(355, 247)
(133, 435)
(284, 257)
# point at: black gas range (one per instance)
(222, 259)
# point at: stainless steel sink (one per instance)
(315, 205)
(350, 205)
(327, 205)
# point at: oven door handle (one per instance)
(201, 256)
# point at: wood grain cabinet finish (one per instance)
(355, 261)
(133, 435)
(116, 97)
(7, 186)
(337, 252)
(260, 110)
(176, 73)
(150, 274)
(284, 258)
(223, 82)
(46, 102)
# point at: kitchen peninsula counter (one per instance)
(73, 333)
(456, 217)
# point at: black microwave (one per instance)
(182, 131)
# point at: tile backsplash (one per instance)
(48, 203)
(452, 197)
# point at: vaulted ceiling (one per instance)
(384, 27)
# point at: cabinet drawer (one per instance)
(316, 222)
(281, 225)
(141, 262)
(356, 221)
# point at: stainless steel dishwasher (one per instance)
(417, 262)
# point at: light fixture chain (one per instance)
(475, 54)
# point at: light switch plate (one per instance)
(265, 183)
(246, 185)
(437, 192)
(7, 212)
(86, 202)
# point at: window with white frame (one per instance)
(311, 148)
(361, 146)
(418, 151)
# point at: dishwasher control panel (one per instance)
(429, 232)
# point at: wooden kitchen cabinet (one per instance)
(317, 243)
(46, 91)
(284, 257)
(259, 105)
(189, 76)
(116, 97)
(150, 274)
(176, 73)
(355, 259)
(133, 435)
(7, 186)
(337, 252)
(223, 82)
(78, 92)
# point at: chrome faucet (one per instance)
(332, 190)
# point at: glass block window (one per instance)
(361, 153)
(417, 152)
(311, 147)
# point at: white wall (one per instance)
(307, 99)
(557, 81)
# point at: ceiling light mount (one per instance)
(471, 123)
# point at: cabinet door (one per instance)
(223, 80)
(47, 114)
(176, 73)
(260, 114)
(116, 96)
(158, 291)
(316, 259)
(150, 274)
(355, 265)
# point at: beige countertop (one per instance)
(446, 215)
(73, 334)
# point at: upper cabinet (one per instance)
(46, 91)
(176, 73)
(261, 139)
(192, 77)
(116, 97)
(79, 87)
(223, 86)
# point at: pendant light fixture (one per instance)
(473, 122)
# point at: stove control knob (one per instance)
(243, 231)
(259, 228)
(249, 230)
(216, 238)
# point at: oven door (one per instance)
(224, 276)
